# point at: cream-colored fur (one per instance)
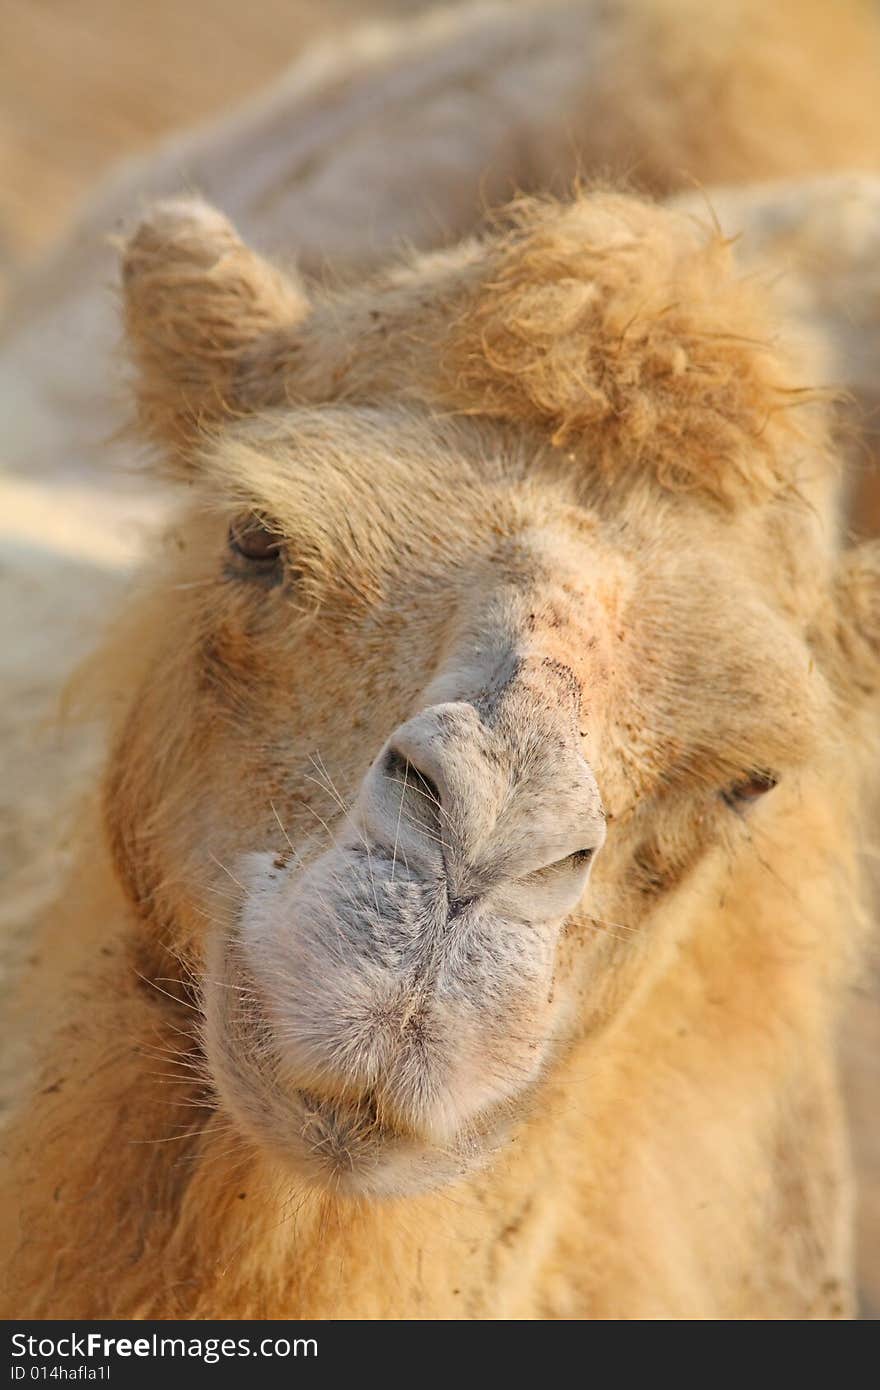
(569, 483)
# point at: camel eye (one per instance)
(253, 539)
(749, 789)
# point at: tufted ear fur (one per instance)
(195, 300)
(618, 325)
(622, 326)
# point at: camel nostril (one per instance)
(579, 858)
(561, 868)
(399, 769)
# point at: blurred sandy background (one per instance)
(84, 83)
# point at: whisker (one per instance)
(213, 856)
(399, 818)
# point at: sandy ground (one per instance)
(81, 85)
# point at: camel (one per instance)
(477, 800)
(475, 880)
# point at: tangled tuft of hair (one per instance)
(623, 327)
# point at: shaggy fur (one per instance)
(605, 322)
(368, 1013)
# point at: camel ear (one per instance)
(858, 618)
(196, 302)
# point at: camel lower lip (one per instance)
(354, 1076)
(343, 1122)
(342, 1146)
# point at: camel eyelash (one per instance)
(749, 789)
(255, 550)
(253, 538)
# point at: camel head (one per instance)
(503, 622)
